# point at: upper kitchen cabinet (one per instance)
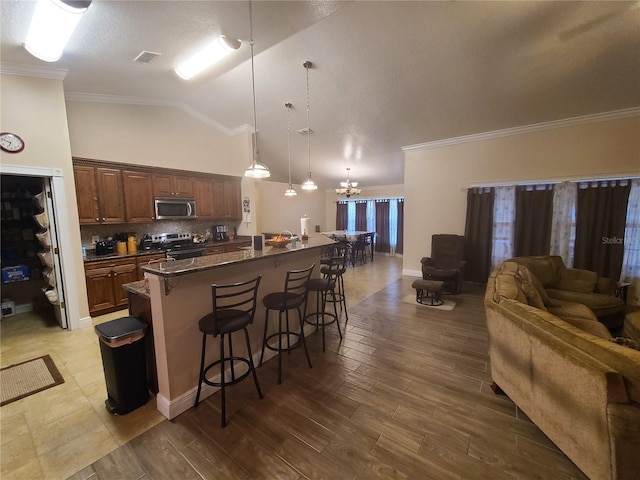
(99, 192)
(227, 199)
(165, 185)
(138, 196)
(203, 193)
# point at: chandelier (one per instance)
(348, 188)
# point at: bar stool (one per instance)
(334, 271)
(294, 295)
(323, 287)
(234, 306)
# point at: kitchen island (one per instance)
(180, 294)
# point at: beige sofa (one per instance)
(577, 286)
(565, 372)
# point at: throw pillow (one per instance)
(533, 297)
(528, 276)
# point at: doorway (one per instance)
(32, 273)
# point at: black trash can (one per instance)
(123, 352)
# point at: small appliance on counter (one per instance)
(220, 233)
(105, 247)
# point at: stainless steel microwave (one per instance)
(171, 208)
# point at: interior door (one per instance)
(56, 298)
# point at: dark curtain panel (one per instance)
(341, 216)
(601, 214)
(361, 216)
(534, 212)
(382, 226)
(400, 242)
(478, 232)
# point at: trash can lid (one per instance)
(120, 329)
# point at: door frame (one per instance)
(65, 252)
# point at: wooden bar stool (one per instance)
(234, 306)
(293, 297)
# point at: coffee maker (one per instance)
(220, 233)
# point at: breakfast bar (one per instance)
(180, 294)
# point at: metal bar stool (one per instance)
(334, 271)
(234, 306)
(323, 287)
(294, 295)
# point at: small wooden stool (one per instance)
(428, 292)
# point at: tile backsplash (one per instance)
(87, 232)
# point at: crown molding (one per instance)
(155, 102)
(567, 122)
(38, 71)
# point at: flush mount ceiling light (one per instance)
(308, 184)
(348, 188)
(289, 192)
(51, 26)
(212, 53)
(256, 169)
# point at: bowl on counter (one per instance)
(278, 242)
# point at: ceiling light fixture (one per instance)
(290, 192)
(212, 53)
(308, 184)
(348, 188)
(52, 25)
(257, 169)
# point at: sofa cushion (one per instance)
(506, 285)
(601, 305)
(576, 280)
(564, 310)
(539, 298)
(543, 268)
(593, 327)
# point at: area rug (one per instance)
(26, 378)
(411, 300)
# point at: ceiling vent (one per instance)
(304, 131)
(146, 57)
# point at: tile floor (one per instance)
(59, 431)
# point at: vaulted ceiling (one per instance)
(385, 74)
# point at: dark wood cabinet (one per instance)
(166, 185)
(99, 192)
(138, 196)
(227, 200)
(204, 195)
(104, 284)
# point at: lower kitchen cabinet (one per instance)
(104, 284)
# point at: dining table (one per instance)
(361, 243)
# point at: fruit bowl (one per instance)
(278, 242)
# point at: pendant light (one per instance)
(290, 192)
(308, 184)
(257, 169)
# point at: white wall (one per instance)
(434, 177)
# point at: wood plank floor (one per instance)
(405, 395)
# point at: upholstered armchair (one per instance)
(446, 263)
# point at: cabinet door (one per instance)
(138, 196)
(233, 199)
(99, 289)
(203, 193)
(214, 250)
(122, 274)
(86, 194)
(236, 246)
(110, 195)
(162, 185)
(183, 186)
(219, 200)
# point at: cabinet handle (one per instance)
(97, 219)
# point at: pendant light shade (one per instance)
(308, 184)
(256, 169)
(289, 192)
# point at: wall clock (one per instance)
(10, 142)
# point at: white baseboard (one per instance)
(412, 273)
(85, 322)
(24, 308)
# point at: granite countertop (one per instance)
(140, 287)
(92, 257)
(197, 264)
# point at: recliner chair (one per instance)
(446, 263)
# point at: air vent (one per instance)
(304, 131)
(146, 57)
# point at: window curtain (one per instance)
(382, 226)
(361, 216)
(341, 216)
(400, 227)
(631, 258)
(478, 232)
(601, 214)
(534, 211)
(563, 224)
(503, 219)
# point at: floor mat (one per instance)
(26, 378)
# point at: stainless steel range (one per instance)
(177, 246)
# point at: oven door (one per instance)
(175, 208)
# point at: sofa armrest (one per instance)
(427, 261)
(606, 286)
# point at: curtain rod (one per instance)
(551, 182)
